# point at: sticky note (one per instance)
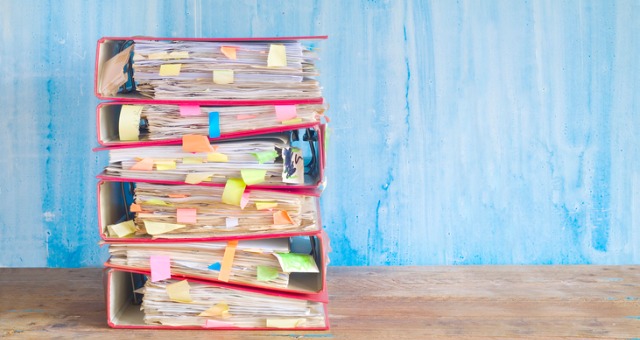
(192, 160)
(229, 52)
(178, 195)
(217, 157)
(297, 263)
(162, 165)
(292, 121)
(215, 266)
(253, 176)
(158, 228)
(223, 77)
(244, 200)
(227, 261)
(168, 70)
(195, 178)
(158, 55)
(285, 323)
(160, 267)
(190, 110)
(129, 122)
(292, 166)
(179, 55)
(265, 156)
(184, 215)
(285, 112)
(233, 190)
(266, 205)
(146, 164)
(135, 207)
(214, 124)
(243, 117)
(196, 143)
(281, 217)
(220, 309)
(277, 56)
(122, 229)
(179, 291)
(267, 273)
(157, 201)
(231, 222)
(217, 324)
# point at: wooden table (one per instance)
(369, 303)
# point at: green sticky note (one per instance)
(267, 273)
(123, 229)
(233, 191)
(265, 156)
(253, 176)
(156, 201)
(297, 263)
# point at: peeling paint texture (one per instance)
(463, 132)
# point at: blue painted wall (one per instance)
(469, 132)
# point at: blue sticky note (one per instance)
(214, 124)
(215, 266)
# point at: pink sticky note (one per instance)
(217, 324)
(160, 267)
(285, 112)
(244, 200)
(190, 110)
(186, 215)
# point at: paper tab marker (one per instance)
(169, 70)
(215, 266)
(160, 267)
(282, 217)
(233, 190)
(158, 228)
(285, 112)
(267, 273)
(253, 176)
(277, 56)
(186, 215)
(265, 156)
(231, 222)
(245, 199)
(195, 178)
(122, 229)
(217, 157)
(220, 309)
(229, 52)
(162, 165)
(129, 122)
(227, 261)
(146, 164)
(266, 205)
(135, 207)
(214, 124)
(217, 324)
(190, 110)
(223, 77)
(179, 291)
(196, 143)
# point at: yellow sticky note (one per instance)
(228, 51)
(196, 143)
(165, 165)
(220, 309)
(233, 191)
(158, 228)
(146, 164)
(292, 121)
(195, 178)
(179, 55)
(266, 205)
(129, 122)
(159, 55)
(253, 176)
(285, 323)
(217, 157)
(227, 261)
(192, 160)
(223, 77)
(277, 56)
(179, 291)
(167, 70)
(123, 229)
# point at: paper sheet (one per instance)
(285, 323)
(292, 166)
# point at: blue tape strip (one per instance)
(214, 124)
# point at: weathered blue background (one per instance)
(470, 132)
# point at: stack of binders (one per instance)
(210, 201)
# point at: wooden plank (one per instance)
(371, 302)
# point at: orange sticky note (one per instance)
(178, 195)
(186, 215)
(227, 261)
(281, 217)
(146, 164)
(228, 51)
(196, 143)
(135, 207)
